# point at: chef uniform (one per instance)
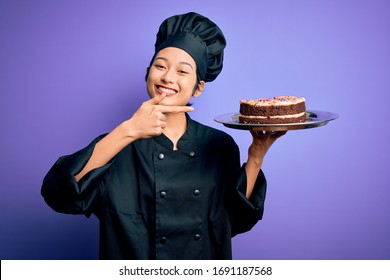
(154, 202)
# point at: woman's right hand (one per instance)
(150, 119)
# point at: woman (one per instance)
(162, 185)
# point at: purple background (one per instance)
(71, 70)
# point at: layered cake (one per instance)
(276, 110)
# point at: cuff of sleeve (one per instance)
(60, 188)
(250, 210)
(259, 190)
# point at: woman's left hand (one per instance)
(262, 141)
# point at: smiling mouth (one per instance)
(167, 91)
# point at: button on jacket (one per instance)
(154, 202)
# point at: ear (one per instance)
(199, 89)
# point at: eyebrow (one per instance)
(181, 62)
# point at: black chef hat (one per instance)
(199, 37)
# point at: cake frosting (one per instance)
(275, 110)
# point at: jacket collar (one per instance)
(184, 141)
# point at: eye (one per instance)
(159, 66)
(183, 72)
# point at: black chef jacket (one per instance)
(154, 202)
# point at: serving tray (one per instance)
(315, 118)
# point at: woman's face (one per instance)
(173, 72)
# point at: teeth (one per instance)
(167, 90)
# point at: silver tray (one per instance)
(315, 118)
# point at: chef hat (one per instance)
(199, 37)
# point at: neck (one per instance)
(176, 127)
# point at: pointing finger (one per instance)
(175, 109)
(157, 99)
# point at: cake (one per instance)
(276, 110)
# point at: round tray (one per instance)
(315, 118)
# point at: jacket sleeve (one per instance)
(247, 212)
(244, 213)
(63, 193)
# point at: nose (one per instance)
(169, 76)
